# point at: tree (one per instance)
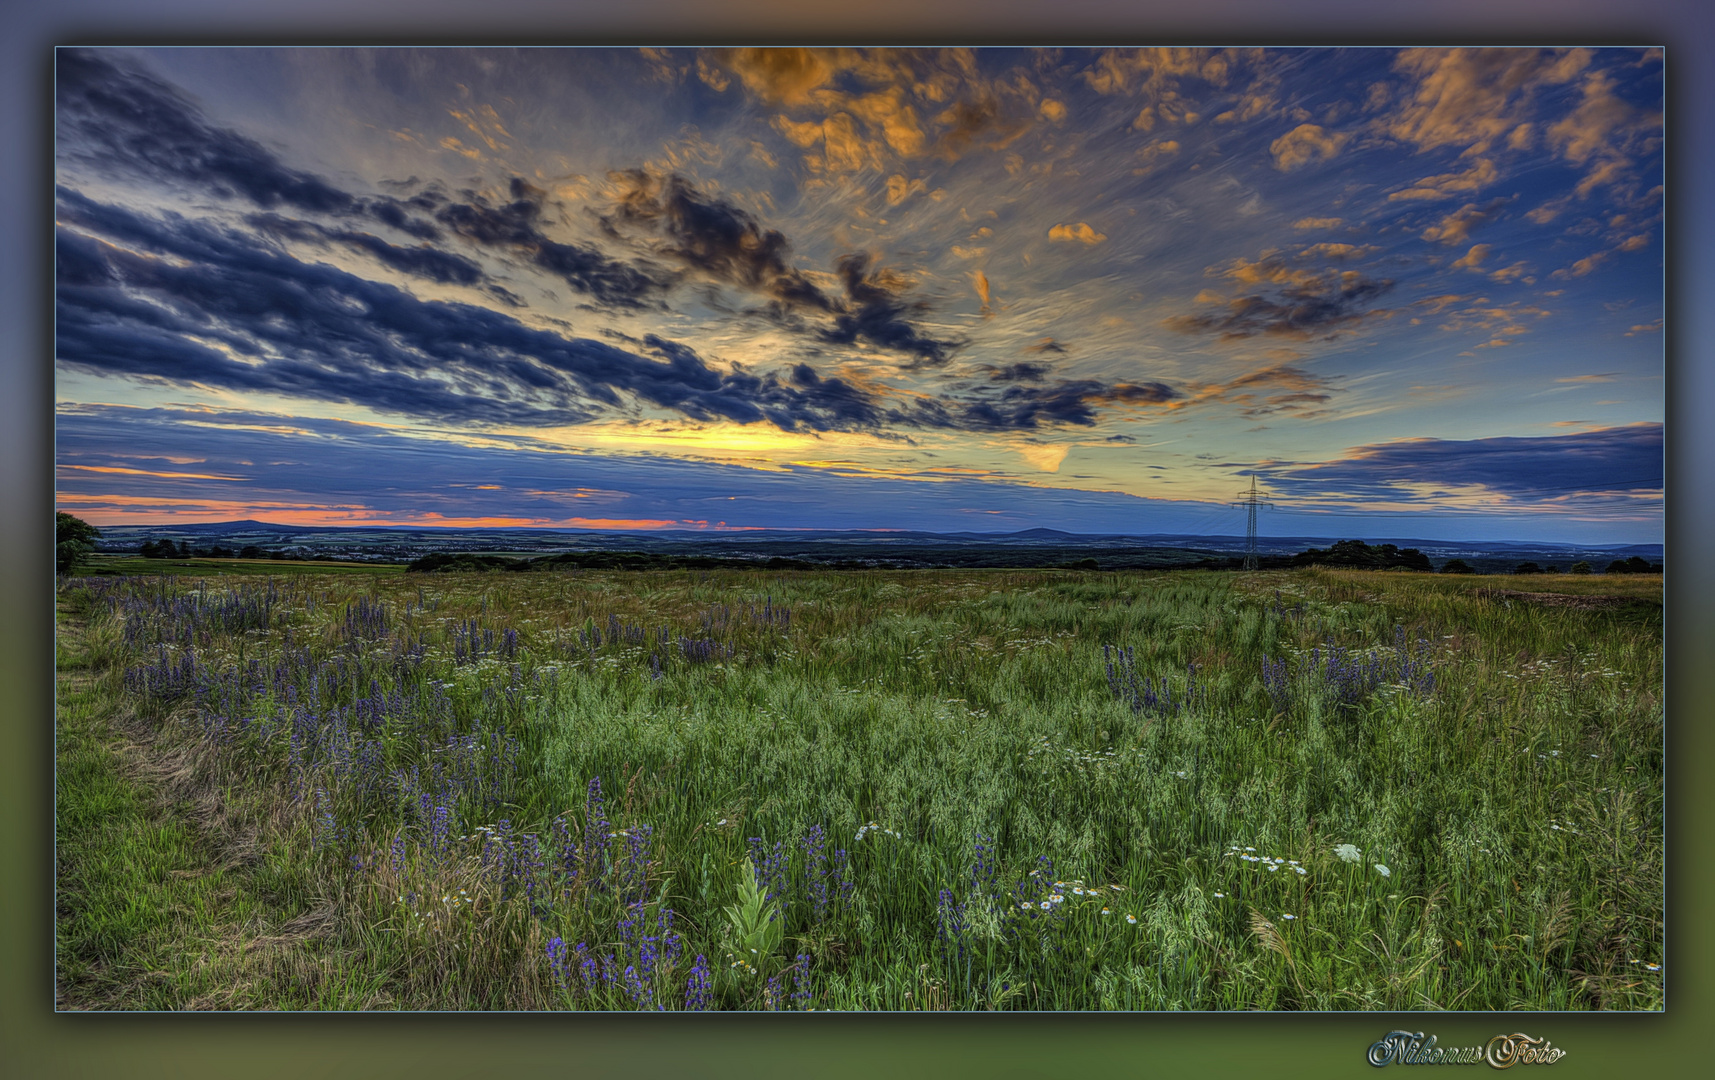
(1527, 568)
(1637, 565)
(1581, 568)
(1456, 566)
(251, 551)
(74, 539)
(1617, 567)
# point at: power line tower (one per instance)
(1249, 500)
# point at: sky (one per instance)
(1407, 293)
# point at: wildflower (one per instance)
(1383, 870)
(1025, 906)
(1131, 919)
(1046, 905)
(1289, 916)
(1272, 867)
(1348, 853)
(1300, 870)
(1107, 911)
(1653, 967)
(1220, 896)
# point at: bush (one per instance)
(74, 539)
(1356, 553)
(1527, 568)
(1580, 568)
(1457, 566)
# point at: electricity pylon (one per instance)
(1249, 500)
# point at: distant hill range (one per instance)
(810, 548)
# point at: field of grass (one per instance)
(1289, 790)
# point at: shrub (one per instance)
(74, 539)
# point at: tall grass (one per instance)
(978, 790)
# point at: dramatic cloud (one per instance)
(130, 122)
(891, 262)
(875, 311)
(716, 238)
(1456, 227)
(425, 262)
(729, 245)
(1296, 301)
(1625, 460)
(188, 302)
(513, 227)
(191, 303)
(1472, 98)
(1020, 372)
(1081, 232)
(1304, 144)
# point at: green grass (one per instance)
(1517, 808)
(105, 565)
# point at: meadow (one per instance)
(892, 790)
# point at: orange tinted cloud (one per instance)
(1080, 232)
(1304, 144)
(1470, 98)
(1473, 258)
(1456, 227)
(147, 472)
(1445, 185)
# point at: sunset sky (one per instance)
(1415, 293)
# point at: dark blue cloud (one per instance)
(1316, 308)
(1620, 459)
(129, 124)
(876, 311)
(224, 310)
(715, 238)
(515, 227)
(1024, 371)
(125, 119)
(425, 262)
(1069, 401)
(166, 298)
(726, 243)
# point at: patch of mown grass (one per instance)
(540, 791)
(151, 913)
(105, 565)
